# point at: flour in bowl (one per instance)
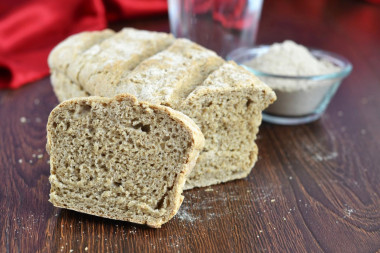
(291, 59)
(293, 66)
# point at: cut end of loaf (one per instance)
(227, 107)
(120, 159)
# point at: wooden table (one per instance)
(314, 188)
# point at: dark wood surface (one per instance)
(315, 187)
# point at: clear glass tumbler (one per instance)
(220, 25)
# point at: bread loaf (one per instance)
(120, 159)
(224, 99)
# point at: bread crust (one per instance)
(167, 78)
(175, 194)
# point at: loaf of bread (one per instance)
(224, 99)
(119, 158)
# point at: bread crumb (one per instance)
(325, 157)
(209, 190)
(23, 120)
(348, 212)
(40, 156)
(183, 215)
(71, 250)
(133, 230)
(86, 248)
(34, 155)
(290, 178)
(30, 161)
(283, 218)
(19, 160)
(272, 200)
(260, 231)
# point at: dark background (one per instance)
(315, 187)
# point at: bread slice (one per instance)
(65, 53)
(119, 158)
(62, 58)
(224, 99)
(100, 68)
(227, 108)
(169, 76)
(66, 89)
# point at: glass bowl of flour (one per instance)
(305, 80)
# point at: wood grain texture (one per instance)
(315, 187)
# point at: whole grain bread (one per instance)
(119, 158)
(63, 57)
(224, 99)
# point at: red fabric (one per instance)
(29, 29)
(230, 13)
(117, 9)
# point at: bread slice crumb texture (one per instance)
(120, 159)
(227, 107)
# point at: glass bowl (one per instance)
(304, 98)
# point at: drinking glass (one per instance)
(220, 25)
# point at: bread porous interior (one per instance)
(116, 160)
(229, 121)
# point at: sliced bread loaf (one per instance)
(224, 99)
(120, 159)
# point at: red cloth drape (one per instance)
(29, 29)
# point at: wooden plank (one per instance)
(315, 187)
